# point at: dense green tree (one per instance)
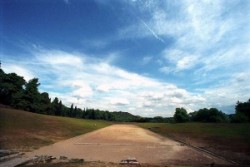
(71, 110)
(32, 96)
(60, 108)
(124, 116)
(158, 119)
(181, 115)
(217, 116)
(239, 118)
(243, 109)
(54, 106)
(75, 111)
(57, 107)
(45, 103)
(10, 85)
(208, 115)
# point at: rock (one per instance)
(43, 159)
(63, 158)
(131, 161)
(76, 160)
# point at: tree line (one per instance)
(242, 114)
(19, 94)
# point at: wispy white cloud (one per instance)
(211, 39)
(56, 57)
(118, 101)
(201, 29)
(146, 60)
(234, 89)
(104, 86)
(22, 71)
(97, 84)
(178, 60)
(66, 1)
(97, 43)
(165, 69)
(186, 62)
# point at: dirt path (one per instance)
(116, 142)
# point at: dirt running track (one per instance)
(116, 142)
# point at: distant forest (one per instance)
(19, 94)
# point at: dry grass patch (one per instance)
(24, 131)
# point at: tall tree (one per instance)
(32, 96)
(181, 115)
(45, 103)
(60, 108)
(54, 107)
(243, 109)
(71, 110)
(10, 85)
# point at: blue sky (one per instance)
(146, 57)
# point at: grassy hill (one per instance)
(124, 116)
(23, 130)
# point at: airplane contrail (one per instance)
(154, 34)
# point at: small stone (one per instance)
(63, 158)
(76, 160)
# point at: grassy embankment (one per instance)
(25, 131)
(229, 140)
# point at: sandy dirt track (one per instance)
(116, 142)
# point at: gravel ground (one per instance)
(117, 142)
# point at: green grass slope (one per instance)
(220, 130)
(23, 130)
(226, 139)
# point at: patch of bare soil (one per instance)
(117, 142)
